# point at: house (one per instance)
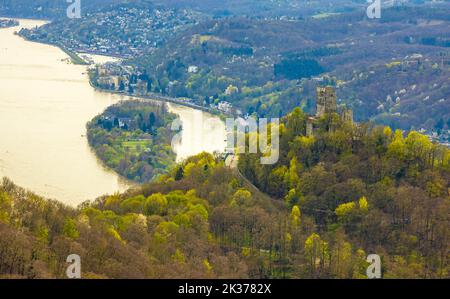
(193, 69)
(109, 82)
(141, 87)
(225, 106)
(126, 123)
(231, 90)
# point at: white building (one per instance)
(193, 69)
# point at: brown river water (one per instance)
(45, 103)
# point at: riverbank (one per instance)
(154, 96)
(74, 57)
(45, 104)
(77, 60)
(7, 23)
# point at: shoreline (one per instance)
(161, 98)
(74, 57)
(164, 99)
(67, 180)
(151, 96)
(77, 60)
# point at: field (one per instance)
(136, 145)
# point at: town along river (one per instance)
(45, 103)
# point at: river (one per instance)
(45, 103)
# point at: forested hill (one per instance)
(267, 57)
(54, 9)
(335, 199)
(42, 9)
(263, 8)
(394, 71)
(217, 8)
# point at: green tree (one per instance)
(70, 229)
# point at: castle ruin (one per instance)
(327, 104)
(326, 101)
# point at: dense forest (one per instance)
(134, 139)
(387, 192)
(332, 199)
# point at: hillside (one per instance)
(125, 29)
(394, 70)
(53, 9)
(335, 199)
(47, 9)
(262, 8)
(274, 65)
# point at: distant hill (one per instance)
(53, 9)
(269, 64)
(275, 64)
(215, 8)
(263, 8)
(39, 9)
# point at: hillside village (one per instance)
(123, 32)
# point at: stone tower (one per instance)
(326, 101)
(347, 115)
(310, 126)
